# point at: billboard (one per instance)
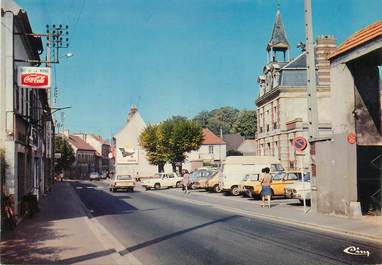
(34, 77)
(126, 155)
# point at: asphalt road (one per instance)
(159, 230)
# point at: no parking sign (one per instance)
(300, 143)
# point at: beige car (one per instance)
(201, 181)
(213, 183)
(119, 182)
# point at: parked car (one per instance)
(163, 180)
(236, 167)
(125, 182)
(300, 189)
(246, 184)
(279, 182)
(94, 176)
(198, 178)
(212, 184)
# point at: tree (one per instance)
(150, 140)
(170, 141)
(246, 124)
(67, 158)
(180, 137)
(223, 118)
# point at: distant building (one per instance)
(211, 152)
(248, 148)
(349, 164)
(85, 155)
(233, 141)
(130, 157)
(282, 103)
(102, 147)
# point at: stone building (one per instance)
(85, 158)
(282, 103)
(102, 147)
(349, 164)
(26, 126)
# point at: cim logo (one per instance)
(34, 80)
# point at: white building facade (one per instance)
(282, 103)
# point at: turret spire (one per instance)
(279, 41)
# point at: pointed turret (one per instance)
(279, 41)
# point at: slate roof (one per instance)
(279, 41)
(209, 138)
(233, 141)
(363, 36)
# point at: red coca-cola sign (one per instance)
(33, 77)
(34, 80)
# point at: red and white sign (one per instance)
(33, 77)
(351, 138)
(300, 143)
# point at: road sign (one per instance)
(300, 143)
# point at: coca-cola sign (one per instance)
(33, 77)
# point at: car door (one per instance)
(278, 184)
(164, 180)
(171, 180)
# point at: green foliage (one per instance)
(3, 164)
(171, 140)
(67, 158)
(246, 124)
(150, 139)
(230, 120)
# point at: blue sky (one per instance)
(174, 57)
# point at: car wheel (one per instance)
(216, 188)
(178, 184)
(157, 186)
(113, 190)
(193, 186)
(235, 191)
(132, 189)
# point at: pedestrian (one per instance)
(266, 180)
(186, 180)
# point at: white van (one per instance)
(235, 168)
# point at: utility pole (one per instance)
(311, 74)
(311, 99)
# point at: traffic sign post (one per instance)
(299, 144)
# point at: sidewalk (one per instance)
(365, 227)
(60, 233)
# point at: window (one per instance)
(276, 167)
(292, 176)
(267, 127)
(210, 149)
(278, 176)
(274, 125)
(261, 129)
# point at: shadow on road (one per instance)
(181, 232)
(101, 202)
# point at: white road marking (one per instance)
(79, 188)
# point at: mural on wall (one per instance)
(127, 155)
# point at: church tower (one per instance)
(279, 41)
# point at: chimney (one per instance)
(133, 110)
(66, 133)
(325, 45)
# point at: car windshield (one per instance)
(278, 176)
(276, 167)
(157, 176)
(128, 177)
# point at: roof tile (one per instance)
(209, 138)
(364, 35)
